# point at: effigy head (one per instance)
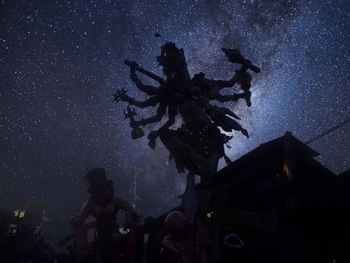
(176, 223)
(173, 61)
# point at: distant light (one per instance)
(19, 213)
(287, 171)
(22, 214)
(210, 214)
(124, 230)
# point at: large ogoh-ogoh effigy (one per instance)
(199, 143)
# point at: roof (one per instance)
(346, 173)
(271, 153)
(269, 156)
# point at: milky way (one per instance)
(61, 61)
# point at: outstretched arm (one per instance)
(156, 118)
(153, 135)
(171, 120)
(226, 83)
(150, 90)
(152, 101)
(234, 97)
(241, 76)
(135, 66)
(226, 98)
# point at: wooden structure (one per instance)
(278, 199)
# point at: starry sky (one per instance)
(61, 62)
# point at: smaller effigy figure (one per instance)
(96, 226)
(176, 245)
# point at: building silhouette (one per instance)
(283, 204)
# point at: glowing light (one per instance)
(287, 170)
(19, 214)
(22, 214)
(210, 214)
(124, 230)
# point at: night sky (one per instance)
(61, 62)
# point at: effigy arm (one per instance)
(155, 118)
(148, 89)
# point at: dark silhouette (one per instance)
(198, 144)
